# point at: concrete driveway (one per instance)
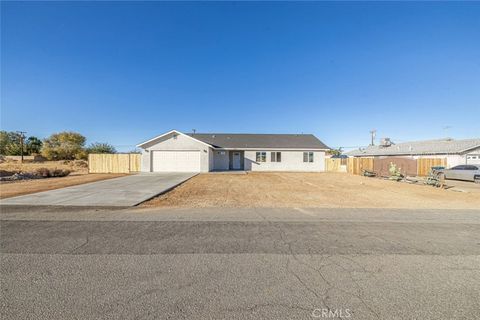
(124, 191)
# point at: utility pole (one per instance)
(373, 133)
(21, 135)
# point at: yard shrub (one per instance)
(50, 173)
(101, 147)
(59, 173)
(42, 172)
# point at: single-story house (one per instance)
(175, 151)
(466, 151)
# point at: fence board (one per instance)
(135, 162)
(113, 163)
(424, 165)
(357, 165)
(332, 165)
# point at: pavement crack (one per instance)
(80, 246)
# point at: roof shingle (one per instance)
(248, 140)
(439, 146)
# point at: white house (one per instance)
(175, 151)
(457, 152)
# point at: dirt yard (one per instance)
(327, 190)
(18, 188)
(76, 167)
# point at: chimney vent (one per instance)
(385, 142)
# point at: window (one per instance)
(308, 157)
(261, 156)
(471, 168)
(276, 157)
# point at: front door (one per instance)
(236, 161)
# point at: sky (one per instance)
(124, 72)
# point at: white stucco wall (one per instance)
(291, 161)
(475, 153)
(181, 143)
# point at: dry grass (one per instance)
(77, 167)
(328, 190)
(18, 188)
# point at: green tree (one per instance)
(336, 152)
(64, 146)
(33, 145)
(101, 147)
(10, 143)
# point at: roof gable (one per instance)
(157, 138)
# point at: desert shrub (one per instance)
(49, 173)
(81, 163)
(81, 155)
(59, 173)
(42, 172)
(101, 147)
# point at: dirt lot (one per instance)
(18, 188)
(77, 167)
(328, 190)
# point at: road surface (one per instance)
(88, 263)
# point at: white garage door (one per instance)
(176, 161)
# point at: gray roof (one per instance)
(249, 140)
(440, 146)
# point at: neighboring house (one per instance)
(456, 152)
(175, 151)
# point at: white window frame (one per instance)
(261, 156)
(308, 157)
(275, 155)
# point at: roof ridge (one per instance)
(256, 134)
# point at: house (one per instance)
(175, 151)
(456, 152)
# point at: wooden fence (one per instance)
(357, 165)
(332, 165)
(114, 163)
(424, 165)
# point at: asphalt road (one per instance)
(86, 263)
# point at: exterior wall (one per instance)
(220, 161)
(181, 142)
(291, 161)
(474, 156)
(145, 162)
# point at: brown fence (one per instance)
(419, 167)
(113, 163)
(424, 165)
(357, 165)
(407, 166)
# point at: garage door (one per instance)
(176, 161)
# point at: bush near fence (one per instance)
(113, 163)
